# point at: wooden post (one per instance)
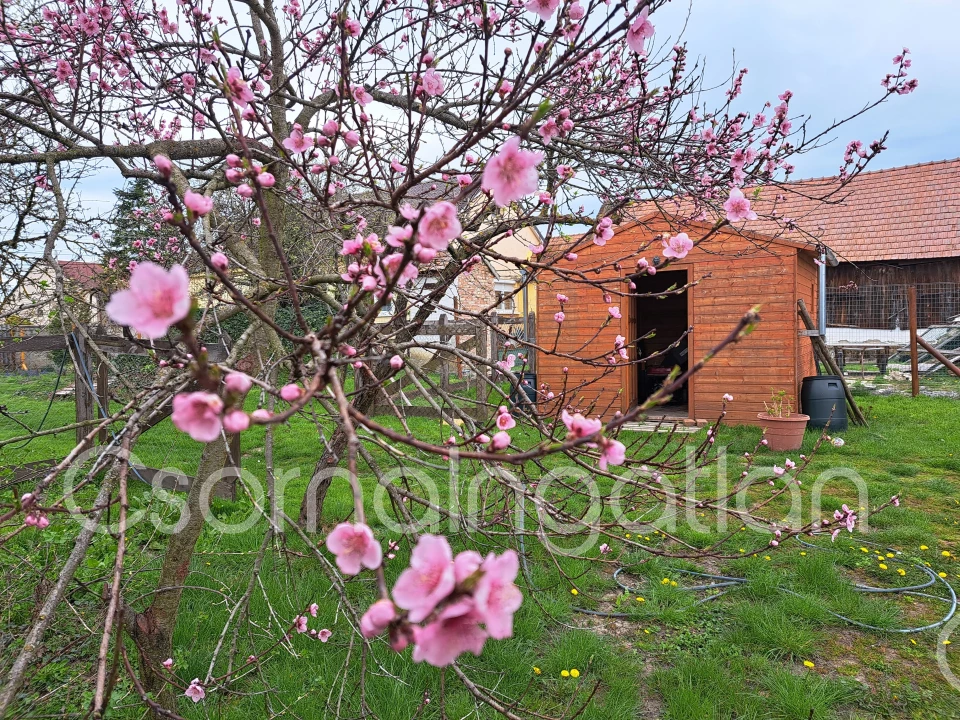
(483, 333)
(820, 348)
(914, 354)
(444, 366)
(938, 355)
(103, 393)
(82, 394)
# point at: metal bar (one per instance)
(914, 355)
(938, 355)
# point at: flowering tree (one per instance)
(329, 152)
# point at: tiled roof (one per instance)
(910, 212)
(903, 213)
(85, 274)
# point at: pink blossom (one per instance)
(290, 392)
(377, 618)
(738, 207)
(354, 546)
(604, 549)
(237, 382)
(511, 173)
(496, 596)
(237, 88)
(198, 415)
(361, 95)
(300, 623)
(197, 204)
(456, 630)
(195, 692)
(163, 164)
(640, 30)
(220, 261)
(439, 225)
(352, 27)
(432, 83)
(614, 312)
(578, 426)
(549, 130)
(559, 316)
(612, 452)
(895, 500)
(156, 299)
(168, 663)
(396, 362)
(727, 397)
(236, 421)
(677, 246)
(351, 138)
(505, 420)
(778, 471)
(313, 609)
(428, 580)
(500, 441)
(543, 8)
(298, 142)
(266, 180)
(324, 635)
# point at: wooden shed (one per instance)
(733, 271)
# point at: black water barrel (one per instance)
(822, 396)
(527, 393)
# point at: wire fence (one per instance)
(868, 330)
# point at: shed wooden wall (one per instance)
(734, 275)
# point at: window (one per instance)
(506, 303)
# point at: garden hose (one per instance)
(726, 582)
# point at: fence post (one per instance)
(914, 355)
(483, 333)
(444, 366)
(82, 393)
(103, 392)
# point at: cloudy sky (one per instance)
(833, 54)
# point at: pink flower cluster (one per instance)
(447, 605)
(846, 517)
(612, 452)
(239, 170)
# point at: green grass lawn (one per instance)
(758, 651)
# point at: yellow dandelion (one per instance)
(924, 547)
(537, 671)
(883, 566)
(807, 663)
(803, 553)
(946, 553)
(640, 599)
(901, 572)
(942, 574)
(864, 549)
(647, 632)
(627, 535)
(913, 641)
(665, 581)
(574, 591)
(889, 555)
(673, 583)
(742, 550)
(564, 673)
(946, 642)
(767, 557)
(574, 673)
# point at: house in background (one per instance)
(889, 230)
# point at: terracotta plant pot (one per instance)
(783, 433)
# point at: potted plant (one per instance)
(782, 428)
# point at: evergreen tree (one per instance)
(129, 222)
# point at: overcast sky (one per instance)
(831, 53)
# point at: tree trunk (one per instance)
(153, 628)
